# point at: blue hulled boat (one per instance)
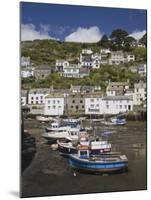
(102, 163)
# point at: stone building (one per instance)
(75, 103)
(42, 71)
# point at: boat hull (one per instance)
(94, 167)
(66, 150)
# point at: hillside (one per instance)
(48, 51)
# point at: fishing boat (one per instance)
(58, 125)
(44, 119)
(84, 161)
(115, 121)
(95, 147)
(119, 120)
(70, 120)
(62, 132)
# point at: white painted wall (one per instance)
(27, 73)
(139, 96)
(93, 105)
(36, 98)
(101, 106)
(23, 101)
(54, 106)
(117, 106)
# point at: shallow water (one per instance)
(50, 174)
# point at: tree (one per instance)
(104, 42)
(143, 40)
(127, 43)
(140, 54)
(118, 37)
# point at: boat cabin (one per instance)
(55, 125)
(83, 153)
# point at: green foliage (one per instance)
(104, 42)
(127, 43)
(118, 36)
(97, 77)
(143, 40)
(48, 51)
(140, 54)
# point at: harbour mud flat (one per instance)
(50, 174)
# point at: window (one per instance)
(32, 102)
(92, 105)
(54, 101)
(73, 101)
(37, 98)
(32, 97)
(49, 101)
(48, 107)
(125, 106)
(120, 106)
(83, 153)
(71, 106)
(36, 102)
(58, 101)
(82, 106)
(77, 107)
(97, 105)
(41, 97)
(81, 101)
(41, 101)
(92, 100)
(107, 106)
(54, 107)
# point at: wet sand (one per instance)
(50, 174)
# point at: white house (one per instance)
(142, 69)
(116, 58)
(96, 61)
(93, 104)
(108, 105)
(54, 104)
(119, 57)
(24, 97)
(75, 71)
(90, 60)
(25, 61)
(37, 96)
(130, 58)
(27, 72)
(71, 71)
(140, 93)
(117, 104)
(60, 64)
(117, 88)
(75, 88)
(105, 51)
